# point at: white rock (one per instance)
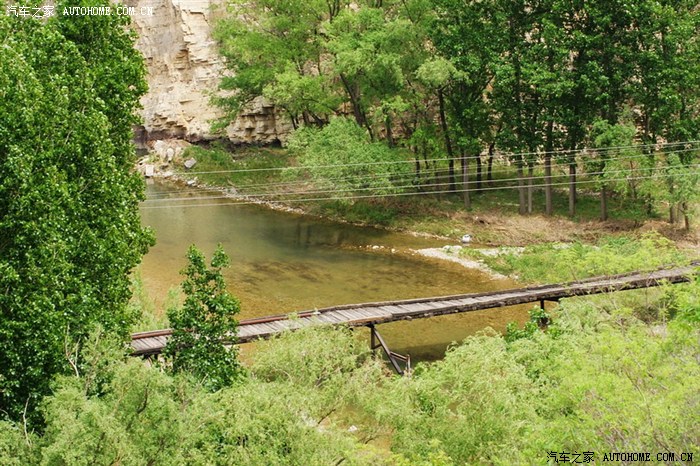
(159, 148)
(184, 66)
(189, 163)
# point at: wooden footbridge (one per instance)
(371, 314)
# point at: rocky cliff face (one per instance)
(184, 69)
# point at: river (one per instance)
(283, 262)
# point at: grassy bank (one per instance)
(247, 169)
(556, 262)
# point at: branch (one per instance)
(70, 353)
(24, 424)
(325, 416)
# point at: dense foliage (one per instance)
(442, 79)
(69, 226)
(595, 380)
(537, 80)
(204, 327)
(342, 160)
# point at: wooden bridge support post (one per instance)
(378, 342)
(544, 322)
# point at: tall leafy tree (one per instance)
(318, 58)
(467, 35)
(69, 226)
(276, 49)
(516, 96)
(667, 90)
(375, 52)
(204, 328)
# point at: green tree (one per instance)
(375, 53)
(666, 93)
(318, 58)
(341, 158)
(275, 49)
(516, 97)
(466, 36)
(70, 231)
(106, 43)
(613, 160)
(204, 328)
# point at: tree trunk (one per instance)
(521, 188)
(426, 165)
(648, 198)
(438, 180)
(489, 170)
(448, 142)
(549, 147)
(572, 189)
(465, 181)
(389, 132)
(357, 111)
(415, 154)
(530, 176)
(686, 216)
(478, 172)
(603, 203)
(672, 208)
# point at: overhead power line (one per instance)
(524, 179)
(252, 199)
(423, 172)
(394, 162)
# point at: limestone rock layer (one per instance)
(184, 69)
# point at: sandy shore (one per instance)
(451, 253)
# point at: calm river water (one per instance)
(282, 262)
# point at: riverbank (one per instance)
(270, 177)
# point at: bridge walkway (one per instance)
(371, 314)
